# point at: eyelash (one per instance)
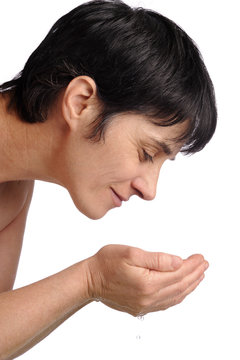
(147, 157)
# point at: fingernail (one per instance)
(206, 265)
(176, 261)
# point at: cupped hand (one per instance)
(138, 282)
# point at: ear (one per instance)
(78, 101)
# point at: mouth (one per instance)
(117, 199)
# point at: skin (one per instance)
(97, 175)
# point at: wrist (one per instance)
(93, 279)
(75, 284)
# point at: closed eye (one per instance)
(147, 157)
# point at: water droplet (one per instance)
(140, 317)
(138, 337)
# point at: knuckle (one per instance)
(105, 248)
(180, 300)
(179, 276)
(201, 257)
(177, 300)
(173, 301)
(181, 287)
(166, 306)
(130, 252)
(159, 259)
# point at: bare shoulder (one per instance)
(14, 196)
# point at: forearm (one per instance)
(30, 313)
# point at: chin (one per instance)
(92, 212)
(93, 216)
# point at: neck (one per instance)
(27, 151)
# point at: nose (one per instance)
(145, 185)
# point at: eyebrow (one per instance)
(163, 146)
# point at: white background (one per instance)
(196, 209)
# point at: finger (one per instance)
(183, 288)
(189, 290)
(189, 265)
(156, 260)
(172, 301)
(161, 304)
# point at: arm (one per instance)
(30, 313)
(124, 278)
(11, 237)
(120, 276)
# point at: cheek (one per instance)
(118, 171)
(111, 164)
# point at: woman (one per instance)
(109, 95)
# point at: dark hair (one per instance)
(141, 62)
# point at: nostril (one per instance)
(139, 193)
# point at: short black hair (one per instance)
(141, 62)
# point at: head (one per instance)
(139, 65)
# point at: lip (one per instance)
(118, 199)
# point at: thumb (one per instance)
(158, 261)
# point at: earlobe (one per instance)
(77, 98)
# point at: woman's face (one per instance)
(100, 175)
